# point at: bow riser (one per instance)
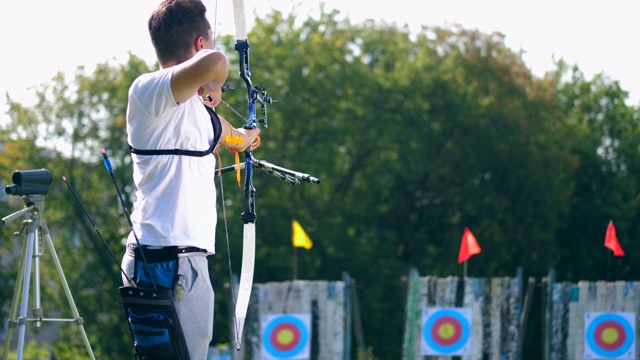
(242, 47)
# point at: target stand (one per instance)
(34, 234)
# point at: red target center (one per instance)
(285, 337)
(446, 331)
(609, 335)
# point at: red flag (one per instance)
(468, 247)
(611, 240)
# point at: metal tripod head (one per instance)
(34, 204)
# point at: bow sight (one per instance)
(258, 94)
(29, 182)
(261, 96)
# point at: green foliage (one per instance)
(413, 136)
(32, 350)
(605, 186)
(366, 354)
(64, 133)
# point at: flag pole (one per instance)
(295, 263)
(609, 251)
(464, 273)
(608, 263)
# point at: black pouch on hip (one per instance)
(150, 311)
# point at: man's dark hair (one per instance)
(174, 26)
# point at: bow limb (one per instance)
(240, 20)
(246, 280)
(249, 214)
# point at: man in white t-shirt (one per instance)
(171, 134)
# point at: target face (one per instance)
(446, 331)
(286, 336)
(609, 335)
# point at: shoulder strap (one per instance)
(217, 130)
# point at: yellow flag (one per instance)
(300, 237)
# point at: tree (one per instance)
(413, 136)
(64, 132)
(606, 186)
(412, 140)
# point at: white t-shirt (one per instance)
(175, 195)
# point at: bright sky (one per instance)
(39, 38)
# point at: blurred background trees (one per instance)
(413, 136)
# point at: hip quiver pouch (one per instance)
(149, 307)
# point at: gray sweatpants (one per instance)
(194, 298)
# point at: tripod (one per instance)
(34, 233)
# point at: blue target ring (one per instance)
(622, 332)
(297, 337)
(456, 337)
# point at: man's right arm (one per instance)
(207, 70)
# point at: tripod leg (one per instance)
(65, 285)
(22, 320)
(17, 290)
(36, 311)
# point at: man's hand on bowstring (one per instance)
(214, 97)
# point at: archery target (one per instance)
(446, 331)
(609, 335)
(286, 336)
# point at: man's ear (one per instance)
(199, 43)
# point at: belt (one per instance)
(190, 249)
(178, 249)
(155, 254)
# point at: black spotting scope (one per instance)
(29, 182)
